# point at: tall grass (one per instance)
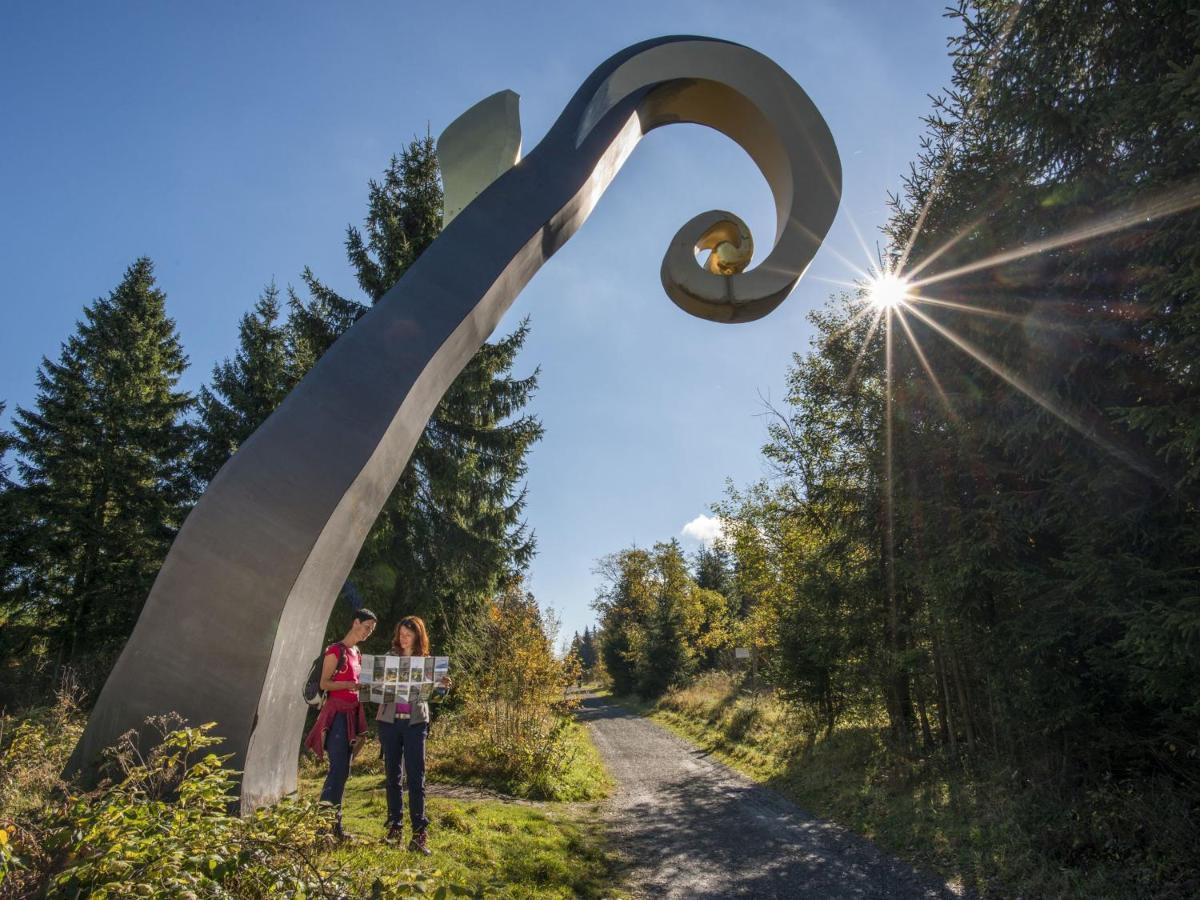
(34, 748)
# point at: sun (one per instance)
(887, 291)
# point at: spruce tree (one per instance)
(6, 444)
(713, 570)
(8, 523)
(625, 602)
(587, 651)
(669, 656)
(104, 457)
(575, 649)
(245, 389)
(451, 533)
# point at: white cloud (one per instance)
(705, 529)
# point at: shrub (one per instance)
(166, 827)
(162, 826)
(34, 749)
(512, 728)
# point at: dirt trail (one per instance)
(691, 827)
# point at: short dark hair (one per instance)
(365, 615)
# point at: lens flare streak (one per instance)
(933, 379)
(866, 343)
(1180, 199)
(1068, 418)
(936, 186)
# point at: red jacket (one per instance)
(356, 723)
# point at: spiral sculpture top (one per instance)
(724, 86)
(749, 98)
(241, 603)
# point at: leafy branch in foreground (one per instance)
(167, 826)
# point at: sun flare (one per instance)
(887, 291)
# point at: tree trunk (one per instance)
(947, 718)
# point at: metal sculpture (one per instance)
(241, 604)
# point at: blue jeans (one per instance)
(337, 745)
(405, 742)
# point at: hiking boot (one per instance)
(395, 833)
(419, 843)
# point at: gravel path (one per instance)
(689, 826)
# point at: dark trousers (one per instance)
(337, 745)
(404, 742)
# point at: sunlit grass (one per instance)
(505, 849)
(583, 776)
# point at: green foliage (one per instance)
(34, 748)
(583, 649)
(656, 623)
(245, 389)
(6, 444)
(103, 462)
(165, 827)
(9, 517)
(991, 831)
(1005, 554)
(1047, 551)
(713, 570)
(979, 542)
(513, 728)
(8, 857)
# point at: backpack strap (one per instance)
(340, 650)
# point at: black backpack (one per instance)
(313, 695)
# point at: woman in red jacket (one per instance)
(342, 717)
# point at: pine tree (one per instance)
(8, 522)
(104, 457)
(313, 325)
(245, 389)
(575, 649)
(6, 444)
(587, 651)
(625, 604)
(714, 569)
(451, 534)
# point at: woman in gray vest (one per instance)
(403, 727)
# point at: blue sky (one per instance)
(232, 143)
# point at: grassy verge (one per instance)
(988, 831)
(577, 774)
(502, 849)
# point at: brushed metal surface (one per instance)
(476, 149)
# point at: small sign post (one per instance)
(748, 653)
